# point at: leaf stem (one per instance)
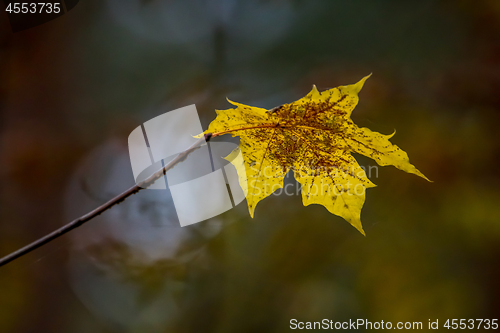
(101, 209)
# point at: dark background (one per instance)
(71, 90)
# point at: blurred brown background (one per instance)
(73, 89)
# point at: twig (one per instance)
(99, 210)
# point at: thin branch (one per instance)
(99, 210)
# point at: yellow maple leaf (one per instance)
(314, 137)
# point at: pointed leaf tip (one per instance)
(230, 101)
(251, 210)
(424, 177)
(357, 86)
(358, 226)
(314, 93)
(391, 135)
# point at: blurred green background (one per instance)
(72, 90)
